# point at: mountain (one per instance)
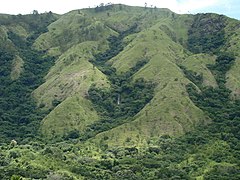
(119, 92)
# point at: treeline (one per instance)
(102, 7)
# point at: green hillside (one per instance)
(119, 92)
(135, 44)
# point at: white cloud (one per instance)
(63, 6)
(185, 6)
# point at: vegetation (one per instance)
(19, 116)
(210, 151)
(206, 33)
(216, 102)
(125, 98)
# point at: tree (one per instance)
(35, 12)
(145, 5)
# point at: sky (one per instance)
(230, 8)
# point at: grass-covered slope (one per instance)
(69, 80)
(63, 80)
(214, 33)
(232, 45)
(71, 74)
(101, 46)
(170, 111)
(17, 68)
(233, 82)
(71, 29)
(158, 37)
(197, 64)
(69, 118)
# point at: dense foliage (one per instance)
(224, 112)
(19, 117)
(125, 98)
(18, 114)
(206, 33)
(117, 105)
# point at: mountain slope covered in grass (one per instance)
(143, 36)
(119, 92)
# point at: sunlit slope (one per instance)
(233, 45)
(157, 41)
(71, 29)
(71, 74)
(215, 34)
(73, 114)
(65, 90)
(75, 38)
(170, 111)
(198, 64)
(160, 38)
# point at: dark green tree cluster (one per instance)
(223, 64)
(206, 33)
(215, 100)
(102, 7)
(18, 113)
(193, 76)
(119, 104)
(19, 116)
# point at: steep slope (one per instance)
(22, 70)
(71, 74)
(159, 37)
(154, 40)
(17, 68)
(101, 45)
(233, 33)
(198, 63)
(71, 29)
(170, 111)
(76, 37)
(66, 83)
(214, 33)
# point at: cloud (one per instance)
(185, 6)
(63, 6)
(179, 6)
